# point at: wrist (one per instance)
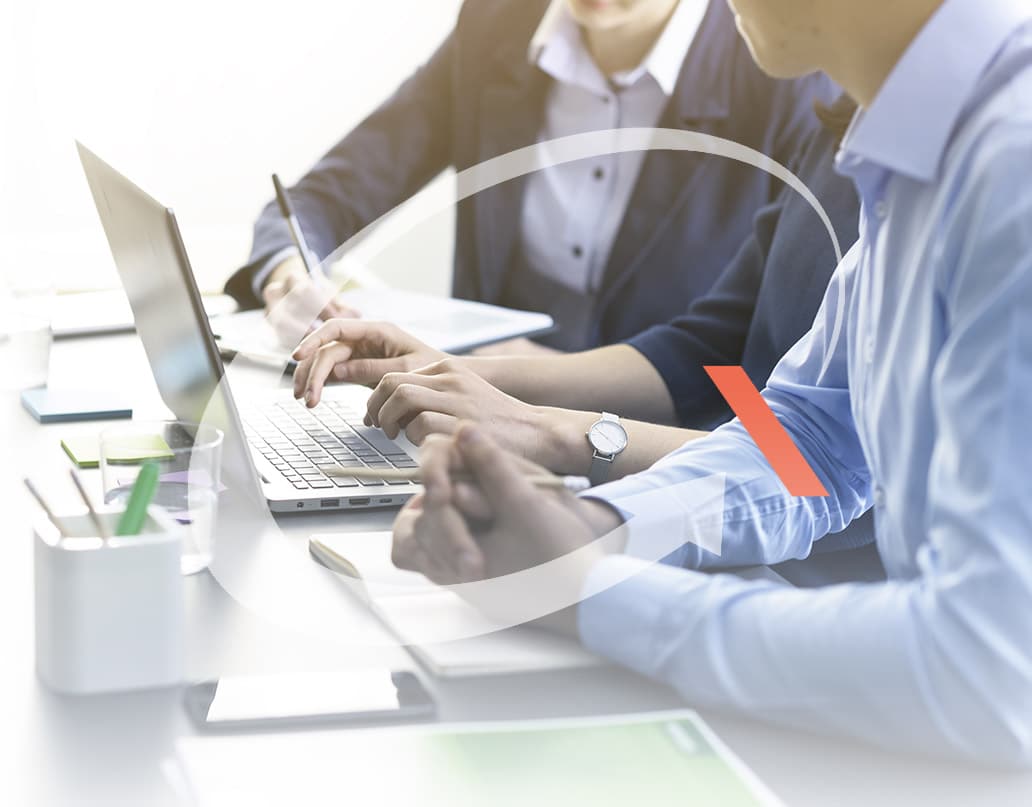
(604, 521)
(607, 526)
(563, 445)
(489, 368)
(291, 267)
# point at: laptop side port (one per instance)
(360, 501)
(329, 503)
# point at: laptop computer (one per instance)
(275, 446)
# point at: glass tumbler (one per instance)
(189, 460)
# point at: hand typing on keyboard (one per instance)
(357, 351)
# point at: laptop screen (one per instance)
(167, 308)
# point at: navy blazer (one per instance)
(764, 302)
(766, 299)
(479, 97)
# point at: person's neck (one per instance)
(876, 45)
(625, 47)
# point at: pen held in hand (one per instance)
(574, 484)
(296, 233)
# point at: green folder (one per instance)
(660, 759)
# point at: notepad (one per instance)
(84, 450)
(65, 406)
(411, 606)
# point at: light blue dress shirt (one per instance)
(911, 394)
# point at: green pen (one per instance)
(135, 513)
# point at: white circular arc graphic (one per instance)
(257, 565)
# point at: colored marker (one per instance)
(135, 513)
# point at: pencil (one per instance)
(574, 484)
(46, 507)
(96, 519)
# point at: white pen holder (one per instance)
(109, 614)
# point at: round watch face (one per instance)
(608, 437)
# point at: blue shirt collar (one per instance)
(908, 126)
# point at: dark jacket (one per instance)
(763, 303)
(767, 297)
(478, 97)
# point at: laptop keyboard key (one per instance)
(376, 438)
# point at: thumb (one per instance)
(495, 470)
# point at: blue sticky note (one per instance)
(67, 406)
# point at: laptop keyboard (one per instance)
(296, 441)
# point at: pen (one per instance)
(96, 519)
(574, 484)
(46, 507)
(135, 513)
(287, 209)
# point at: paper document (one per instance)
(424, 617)
(664, 758)
(444, 323)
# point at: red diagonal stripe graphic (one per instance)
(763, 426)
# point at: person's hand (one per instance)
(295, 301)
(434, 398)
(357, 351)
(498, 524)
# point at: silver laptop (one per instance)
(276, 447)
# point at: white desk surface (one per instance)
(108, 750)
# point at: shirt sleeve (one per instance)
(938, 663)
(762, 523)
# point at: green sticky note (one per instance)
(84, 450)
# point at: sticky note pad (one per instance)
(64, 406)
(84, 450)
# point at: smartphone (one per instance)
(269, 702)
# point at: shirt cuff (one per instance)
(639, 543)
(679, 522)
(623, 604)
(258, 281)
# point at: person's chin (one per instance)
(766, 60)
(595, 13)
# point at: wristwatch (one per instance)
(607, 438)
